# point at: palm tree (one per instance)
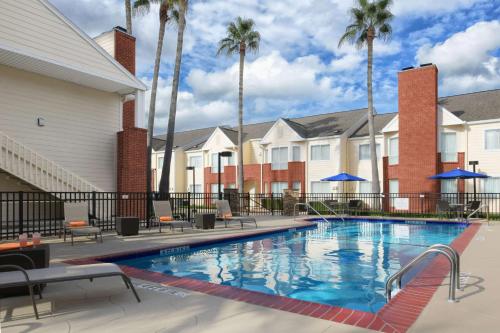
(128, 16)
(370, 20)
(179, 12)
(143, 7)
(240, 37)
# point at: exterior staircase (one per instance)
(31, 167)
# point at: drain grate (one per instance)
(161, 289)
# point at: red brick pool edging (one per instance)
(396, 316)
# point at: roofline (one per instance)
(139, 84)
(470, 93)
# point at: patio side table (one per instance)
(127, 225)
(205, 221)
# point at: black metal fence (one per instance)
(29, 212)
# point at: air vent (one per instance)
(408, 68)
(427, 64)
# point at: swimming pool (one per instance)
(337, 263)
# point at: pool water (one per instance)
(337, 263)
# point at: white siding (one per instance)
(28, 26)
(317, 170)
(81, 123)
(107, 42)
(362, 168)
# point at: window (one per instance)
(365, 187)
(265, 157)
(492, 139)
(320, 152)
(224, 161)
(214, 188)
(491, 185)
(197, 188)
(195, 161)
(394, 151)
(232, 185)
(320, 187)
(448, 186)
(160, 163)
(394, 186)
(278, 187)
(279, 158)
(364, 151)
(296, 153)
(297, 186)
(448, 147)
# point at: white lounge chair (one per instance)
(78, 213)
(19, 277)
(224, 212)
(163, 216)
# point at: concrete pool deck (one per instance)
(105, 305)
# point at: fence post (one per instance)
(272, 204)
(189, 206)
(94, 215)
(21, 212)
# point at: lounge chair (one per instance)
(472, 206)
(163, 216)
(20, 277)
(224, 212)
(354, 206)
(77, 223)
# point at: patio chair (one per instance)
(354, 206)
(17, 276)
(163, 216)
(443, 208)
(224, 212)
(471, 207)
(77, 222)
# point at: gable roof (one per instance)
(482, 105)
(380, 121)
(39, 39)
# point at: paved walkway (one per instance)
(106, 306)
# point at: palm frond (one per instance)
(240, 33)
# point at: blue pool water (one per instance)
(338, 263)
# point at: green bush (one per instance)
(269, 204)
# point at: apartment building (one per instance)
(72, 113)
(426, 136)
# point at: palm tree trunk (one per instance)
(128, 14)
(152, 103)
(371, 129)
(165, 175)
(240, 124)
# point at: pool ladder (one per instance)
(309, 206)
(453, 258)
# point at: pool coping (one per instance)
(396, 316)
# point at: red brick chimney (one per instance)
(418, 129)
(132, 149)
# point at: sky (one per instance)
(299, 69)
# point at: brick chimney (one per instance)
(418, 129)
(132, 149)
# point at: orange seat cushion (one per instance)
(78, 224)
(227, 216)
(166, 218)
(11, 246)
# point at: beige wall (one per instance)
(29, 27)
(81, 123)
(489, 160)
(107, 42)
(316, 170)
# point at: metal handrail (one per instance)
(331, 210)
(308, 206)
(452, 257)
(477, 210)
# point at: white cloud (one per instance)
(464, 59)
(433, 7)
(188, 109)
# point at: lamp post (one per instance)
(474, 163)
(192, 168)
(221, 154)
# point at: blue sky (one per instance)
(299, 69)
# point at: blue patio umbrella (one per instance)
(459, 174)
(343, 177)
